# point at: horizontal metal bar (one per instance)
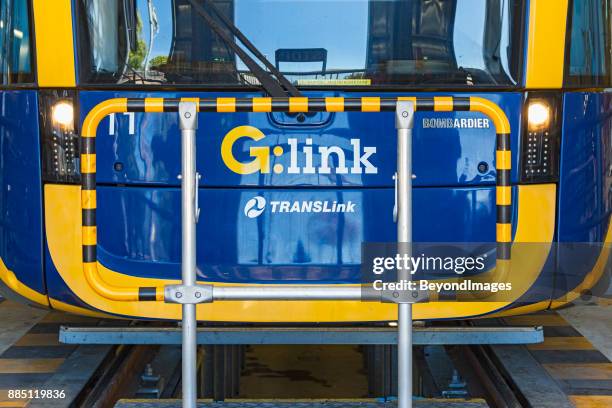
(300, 403)
(286, 293)
(302, 335)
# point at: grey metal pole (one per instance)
(188, 120)
(404, 120)
(291, 293)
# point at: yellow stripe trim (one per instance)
(93, 118)
(194, 100)
(504, 232)
(370, 104)
(503, 160)
(88, 199)
(591, 401)
(443, 104)
(593, 277)
(494, 112)
(39, 339)
(412, 99)
(262, 104)
(334, 104)
(90, 235)
(54, 43)
(546, 43)
(6, 402)
(88, 163)
(580, 371)
(503, 195)
(75, 310)
(8, 277)
(562, 343)
(298, 104)
(226, 105)
(90, 267)
(536, 320)
(29, 366)
(154, 105)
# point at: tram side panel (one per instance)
(585, 196)
(21, 228)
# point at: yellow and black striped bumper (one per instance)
(295, 105)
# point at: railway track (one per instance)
(472, 374)
(478, 376)
(496, 376)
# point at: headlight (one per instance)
(62, 114)
(538, 114)
(60, 141)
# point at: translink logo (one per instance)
(300, 160)
(256, 206)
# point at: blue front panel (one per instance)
(244, 228)
(585, 191)
(139, 229)
(138, 161)
(145, 148)
(20, 188)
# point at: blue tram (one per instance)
(289, 198)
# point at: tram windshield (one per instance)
(311, 42)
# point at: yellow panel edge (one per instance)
(536, 215)
(54, 43)
(546, 44)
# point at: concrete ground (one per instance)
(593, 321)
(15, 321)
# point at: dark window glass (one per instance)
(15, 42)
(590, 44)
(312, 42)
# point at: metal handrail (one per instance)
(188, 294)
(294, 105)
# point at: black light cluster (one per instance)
(60, 139)
(541, 138)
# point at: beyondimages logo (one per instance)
(301, 155)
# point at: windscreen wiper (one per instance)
(285, 83)
(279, 87)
